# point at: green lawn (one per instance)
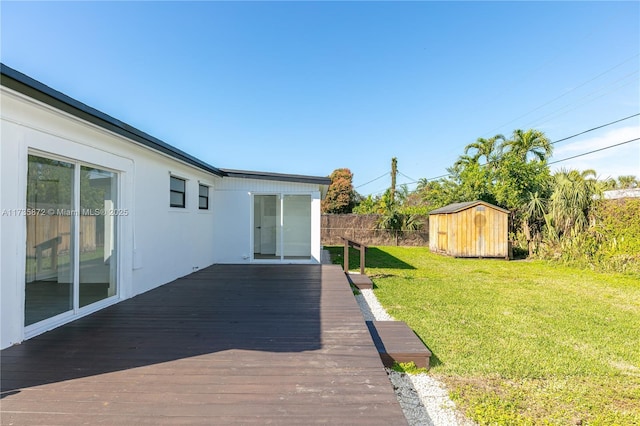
(519, 342)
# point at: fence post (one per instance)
(362, 250)
(346, 255)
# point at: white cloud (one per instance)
(613, 162)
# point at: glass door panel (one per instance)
(50, 243)
(297, 227)
(97, 226)
(265, 225)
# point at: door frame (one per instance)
(77, 311)
(279, 258)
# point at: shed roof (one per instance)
(28, 86)
(457, 207)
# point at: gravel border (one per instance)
(424, 400)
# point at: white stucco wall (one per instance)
(157, 243)
(233, 212)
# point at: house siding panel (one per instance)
(155, 246)
(233, 200)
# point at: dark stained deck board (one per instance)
(243, 344)
(360, 281)
(396, 342)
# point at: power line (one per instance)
(554, 162)
(408, 177)
(595, 150)
(373, 180)
(595, 128)
(566, 93)
(582, 101)
(561, 140)
(549, 163)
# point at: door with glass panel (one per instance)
(71, 238)
(282, 227)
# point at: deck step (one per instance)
(361, 281)
(396, 342)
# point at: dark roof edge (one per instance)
(245, 174)
(26, 85)
(456, 207)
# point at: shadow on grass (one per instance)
(434, 361)
(374, 258)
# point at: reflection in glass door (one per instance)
(71, 238)
(265, 222)
(50, 247)
(97, 235)
(296, 222)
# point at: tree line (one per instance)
(552, 214)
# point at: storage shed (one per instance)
(470, 229)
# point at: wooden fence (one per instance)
(363, 228)
(43, 229)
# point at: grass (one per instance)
(519, 343)
(408, 367)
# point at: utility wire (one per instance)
(581, 102)
(561, 140)
(595, 128)
(408, 177)
(549, 163)
(566, 93)
(595, 150)
(373, 180)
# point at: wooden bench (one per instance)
(361, 281)
(396, 342)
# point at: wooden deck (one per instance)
(360, 281)
(396, 342)
(253, 344)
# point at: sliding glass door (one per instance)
(97, 260)
(282, 227)
(71, 238)
(50, 246)
(296, 226)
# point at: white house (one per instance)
(94, 211)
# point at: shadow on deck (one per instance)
(230, 343)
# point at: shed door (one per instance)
(480, 226)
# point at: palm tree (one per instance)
(627, 182)
(531, 142)
(534, 218)
(487, 148)
(573, 196)
(462, 162)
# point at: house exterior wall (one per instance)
(157, 243)
(233, 211)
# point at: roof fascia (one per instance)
(27, 86)
(246, 174)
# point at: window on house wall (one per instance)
(203, 197)
(177, 194)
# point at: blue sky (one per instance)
(308, 87)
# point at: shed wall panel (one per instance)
(476, 231)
